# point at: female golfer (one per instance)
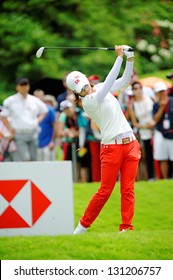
(120, 151)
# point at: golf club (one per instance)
(41, 50)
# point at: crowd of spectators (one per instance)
(37, 127)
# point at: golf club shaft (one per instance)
(41, 50)
(86, 48)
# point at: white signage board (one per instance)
(36, 198)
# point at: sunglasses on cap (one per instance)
(84, 88)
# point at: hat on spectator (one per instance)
(115, 94)
(76, 81)
(170, 75)
(22, 81)
(51, 98)
(129, 92)
(94, 79)
(65, 104)
(159, 86)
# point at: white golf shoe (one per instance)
(80, 229)
(123, 230)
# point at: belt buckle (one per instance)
(126, 140)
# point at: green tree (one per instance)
(28, 25)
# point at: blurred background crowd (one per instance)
(35, 126)
(42, 121)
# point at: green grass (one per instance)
(152, 238)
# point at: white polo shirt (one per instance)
(23, 112)
(104, 109)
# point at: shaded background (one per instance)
(25, 26)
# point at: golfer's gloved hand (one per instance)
(127, 53)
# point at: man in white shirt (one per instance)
(22, 114)
(120, 151)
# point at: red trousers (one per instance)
(123, 158)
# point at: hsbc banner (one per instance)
(36, 198)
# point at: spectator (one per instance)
(83, 153)
(140, 111)
(163, 134)
(25, 113)
(47, 131)
(68, 131)
(7, 144)
(83, 123)
(170, 90)
(147, 91)
(50, 101)
(125, 94)
(64, 95)
(68, 128)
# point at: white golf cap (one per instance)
(65, 104)
(160, 86)
(76, 81)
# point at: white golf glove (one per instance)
(126, 51)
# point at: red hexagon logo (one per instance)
(22, 203)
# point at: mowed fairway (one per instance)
(151, 240)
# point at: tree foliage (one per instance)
(28, 25)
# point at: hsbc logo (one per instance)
(22, 203)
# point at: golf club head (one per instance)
(39, 52)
